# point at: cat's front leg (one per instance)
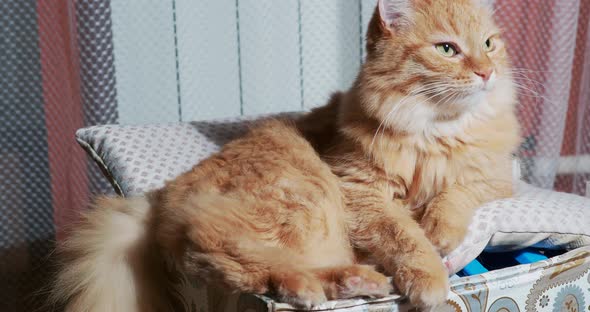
(386, 230)
(448, 215)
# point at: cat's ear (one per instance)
(387, 18)
(394, 12)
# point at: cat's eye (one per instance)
(447, 49)
(489, 45)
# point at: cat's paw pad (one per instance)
(362, 280)
(299, 289)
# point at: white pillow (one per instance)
(137, 159)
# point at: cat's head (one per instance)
(435, 60)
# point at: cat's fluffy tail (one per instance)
(111, 262)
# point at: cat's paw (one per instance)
(445, 236)
(426, 287)
(301, 289)
(362, 280)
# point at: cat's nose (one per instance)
(485, 73)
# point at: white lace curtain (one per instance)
(549, 41)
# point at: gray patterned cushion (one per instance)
(533, 217)
(137, 159)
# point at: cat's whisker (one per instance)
(530, 80)
(441, 89)
(391, 112)
(446, 97)
(414, 107)
(521, 76)
(532, 93)
(525, 87)
(497, 8)
(383, 121)
(440, 86)
(423, 88)
(455, 98)
(420, 90)
(528, 70)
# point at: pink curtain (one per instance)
(549, 43)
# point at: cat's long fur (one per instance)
(408, 153)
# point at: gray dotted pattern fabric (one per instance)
(26, 224)
(141, 158)
(97, 72)
(138, 159)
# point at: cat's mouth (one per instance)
(487, 86)
(479, 89)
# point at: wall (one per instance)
(186, 60)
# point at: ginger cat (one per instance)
(423, 137)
